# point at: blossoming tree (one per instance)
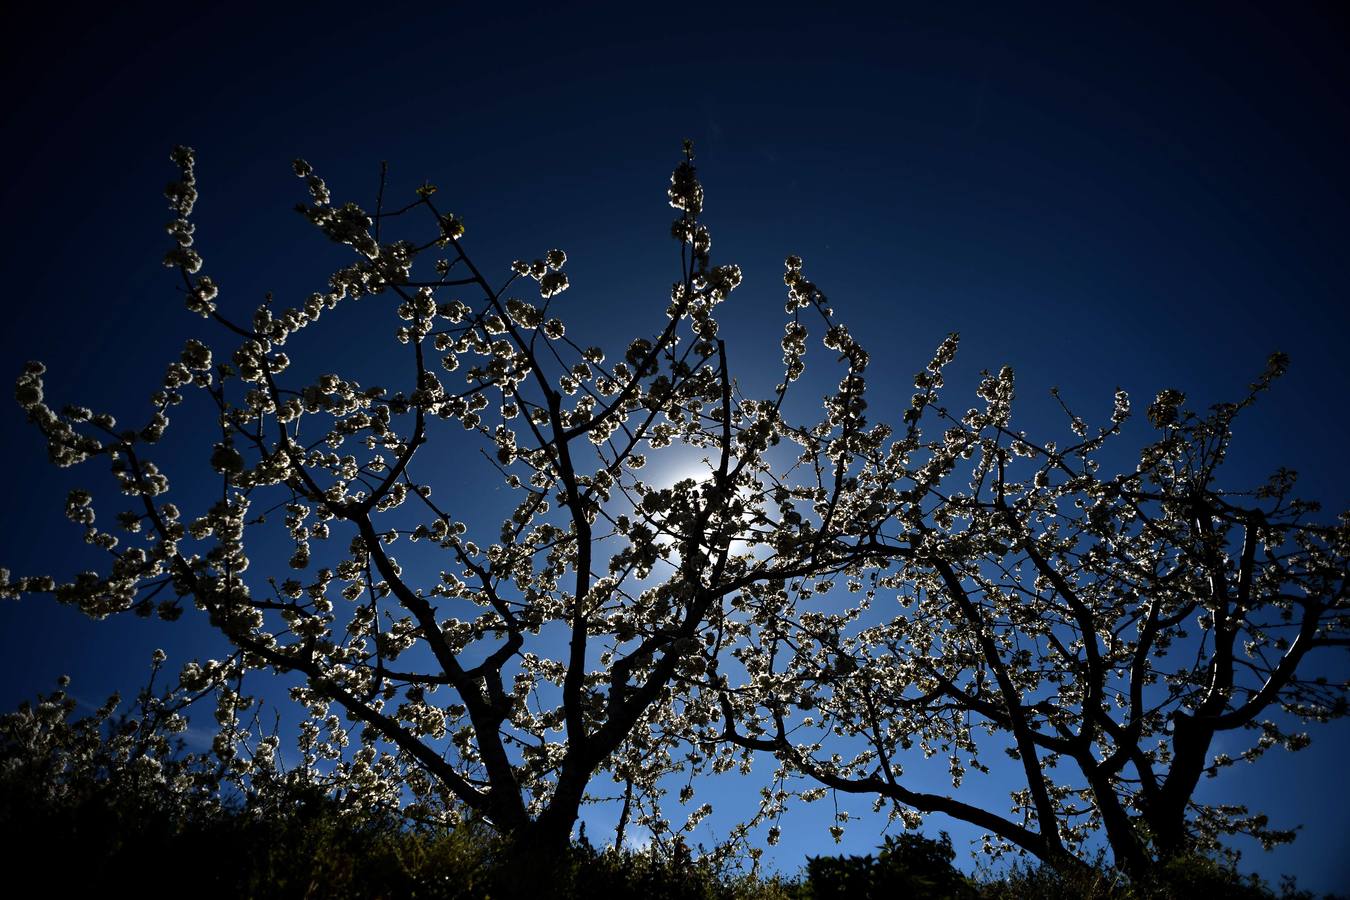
(613, 625)
(1101, 630)
(571, 638)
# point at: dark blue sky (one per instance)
(1145, 196)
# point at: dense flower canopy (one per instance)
(835, 593)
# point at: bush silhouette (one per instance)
(910, 865)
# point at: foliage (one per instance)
(69, 788)
(99, 771)
(654, 875)
(910, 865)
(119, 794)
(1181, 878)
(838, 594)
(95, 805)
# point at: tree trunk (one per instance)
(1128, 852)
(536, 860)
(1166, 812)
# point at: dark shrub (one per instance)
(910, 865)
